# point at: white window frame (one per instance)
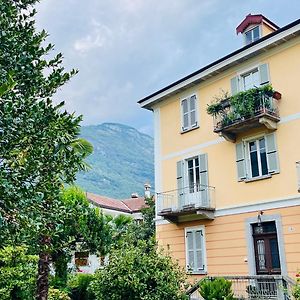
(190, 126)
(186, 179)
(244, 74)
(252, 29)
(195, 228)
(258, 157)
(248, 159)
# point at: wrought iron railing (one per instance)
(195, 196)
(266, 287)
(230, 114)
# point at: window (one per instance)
(193, 175)
(192, 181)
(250, 80)
(252, 35)
(189, 113)
(257, 157)
(195, 250)
(255, 77)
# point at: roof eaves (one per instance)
(224, 58)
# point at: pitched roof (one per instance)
(254, 19)
(271, 40)
(131, 205)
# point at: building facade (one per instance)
(226, 150)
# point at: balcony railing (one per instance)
(190, 200)
(247, 110)
(253, 287)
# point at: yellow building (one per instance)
(226, 182)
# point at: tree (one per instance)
(18, 271)
(139, 272)
(82, 224)
(38, 139)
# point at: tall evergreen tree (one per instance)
(38, 139)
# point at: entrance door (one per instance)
(266, 248)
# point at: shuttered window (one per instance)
(258, 157)
(195, 250)
(189, 113)
(254, 78)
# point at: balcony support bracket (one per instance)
(209, 215)
(270, 124)
(230, 137)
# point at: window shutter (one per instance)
(190, 264)
(199, 250)
(203, 170)
(272, 155)
(185, 114)
(180, 182)
(234, 85)
(264, 74)
(240, 161)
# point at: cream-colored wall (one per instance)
(266, 29)
(284, 66)
(226, 244)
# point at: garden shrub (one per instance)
(18, 272)
(78, 285)
(55, 294)
(216, 289)
(139, 272)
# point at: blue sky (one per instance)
(127, 49)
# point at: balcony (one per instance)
(247, 110)
(187, 204)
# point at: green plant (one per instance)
(216, 289)
(18, 271)
(78, 285)
(55, 294)
(240, 106)
(139, 272)
(296, 292)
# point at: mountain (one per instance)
(123, 160)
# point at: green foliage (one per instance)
(17, 273)
(55, 294)
(296, 292)
(139, 272)
(243, 105)
(83, 224)
(216, 289)
(78, 285)
(122, 161)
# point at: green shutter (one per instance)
(234, 85)
(203, 170)
(190, 264)
(199, 259)
(272, 155)
(264, 74)
(180, 182)
(240, 161)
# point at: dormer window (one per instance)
(252, 35)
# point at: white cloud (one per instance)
(100, 36)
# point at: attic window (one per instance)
(252, 35)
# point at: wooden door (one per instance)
(266, 249)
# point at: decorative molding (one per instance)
(250, 244)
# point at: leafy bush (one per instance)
(55, 294)
(139, 272)
(17, 273)
(216, 289)
(78, 285)
(296, 292)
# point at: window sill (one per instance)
(257, 178)
(196, 273)
(189, 129)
